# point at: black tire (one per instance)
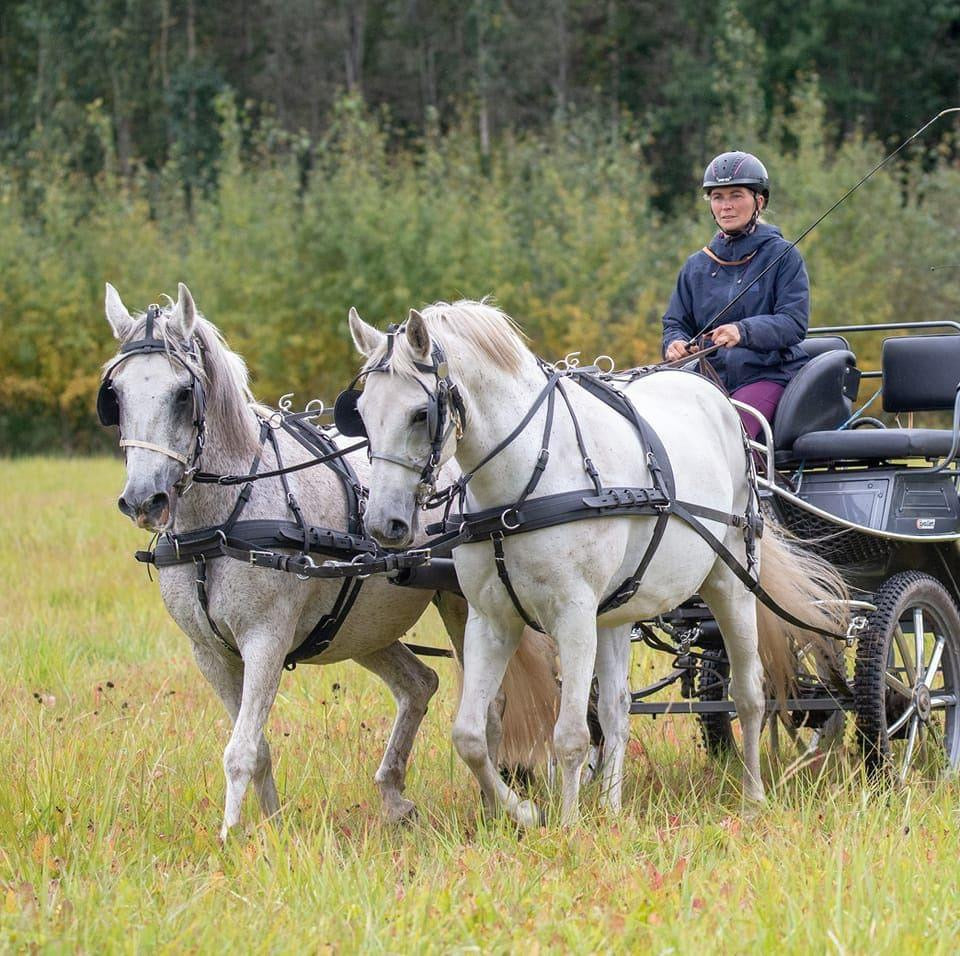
(897, 720)
(713, 679)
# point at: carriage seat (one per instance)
(820, 396)
(919, 374)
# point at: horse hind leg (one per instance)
(412, 684)
(735, 610)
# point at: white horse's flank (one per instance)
(561, 574)
(265, 614)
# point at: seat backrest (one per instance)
(816, 345)
(920, 372)
(818, 398)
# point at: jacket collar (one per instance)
(731, 250)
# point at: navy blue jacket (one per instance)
(772, 317)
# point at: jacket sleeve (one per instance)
(678, 321)
(788, 324)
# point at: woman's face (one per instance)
(732, 206)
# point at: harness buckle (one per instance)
(254, 555)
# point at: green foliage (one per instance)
(560, 228)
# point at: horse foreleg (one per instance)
(487, 651)
(247, 755)
(453, 613)
(735, 610)
(412, 684)
(612, 667)
(576, 636)
(225, 675)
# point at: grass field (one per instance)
(111, 796)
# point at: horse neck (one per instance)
(207, 505)
(498, 400)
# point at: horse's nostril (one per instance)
(397, 529)
(155, 503)
(124, 507)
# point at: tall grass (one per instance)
(112, 792)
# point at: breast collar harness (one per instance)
(355, 556)
(108, 405)
(658, 501)
(445, 414)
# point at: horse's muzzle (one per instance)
(153, 513)
(394, 533)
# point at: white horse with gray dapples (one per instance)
(561, 574)
(264, 614)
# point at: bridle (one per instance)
(445, 414)
(108, 404)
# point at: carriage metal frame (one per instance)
(845, 510)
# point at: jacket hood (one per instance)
(733, 249)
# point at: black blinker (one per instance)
(346, 415)
(108, 407)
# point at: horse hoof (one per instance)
(528, 814)
(401, 811)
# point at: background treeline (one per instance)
(290, 159)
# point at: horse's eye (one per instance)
(419, 416)
(184, 395)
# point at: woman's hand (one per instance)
(676, 350)
(726, 335)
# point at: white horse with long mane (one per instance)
(260, 616)
(560, 575)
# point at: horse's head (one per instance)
(412, 415)
(153, 389)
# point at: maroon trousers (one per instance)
(764, 397)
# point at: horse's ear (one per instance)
(417, 335)
(184, 315)
(117, 314)
(365, 337)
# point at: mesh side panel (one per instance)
(837, 545)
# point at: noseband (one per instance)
(445, 413)
(108, 404)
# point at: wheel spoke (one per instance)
(897, 685)
(902, 719)
(939, 701)
(934, 661)
(901, 640)
(911, 743)
(918, 632)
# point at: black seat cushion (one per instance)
(818, 397)
(873, 444)
(920, 372)
(818, 344)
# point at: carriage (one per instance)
(880, 501)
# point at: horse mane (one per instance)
(482, 331)
(224, 374)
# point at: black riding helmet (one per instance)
(737, 169)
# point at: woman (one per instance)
(761, 334)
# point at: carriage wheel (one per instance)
(907, 678)
(712, 682)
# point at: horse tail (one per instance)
(532, 695)
(813, 591)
